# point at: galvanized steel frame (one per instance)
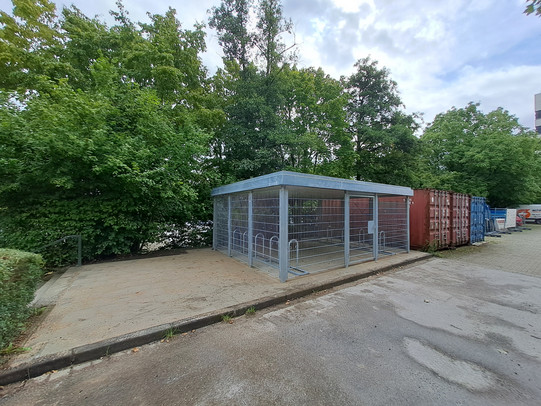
(275, 191)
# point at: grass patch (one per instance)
(169, 334)
(226, 318)
(250, 311)
(12, 349)
(433, 249)
(38, 311)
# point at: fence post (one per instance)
(408, 224)
(346, 230)
(250, 229)
(283, 250)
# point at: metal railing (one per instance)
(63, 239)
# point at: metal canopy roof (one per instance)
(285, 178)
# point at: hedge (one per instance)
(20, 273)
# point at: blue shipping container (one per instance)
(498, 213)
(477, 219)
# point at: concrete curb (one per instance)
(109, 346)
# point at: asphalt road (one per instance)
(440, 332)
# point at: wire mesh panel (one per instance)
(361, 229)
(314, 220)
(315, 232)
(266, 220)
(392, 225)
(239, 226)
(221, 211)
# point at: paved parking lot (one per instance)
(516, 252)
(445, 331)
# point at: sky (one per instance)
(442, 53)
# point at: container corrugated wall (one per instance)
(477, 219)
(460, 219)
(430, 219)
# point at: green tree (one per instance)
(109, 141)
(271, 25)
(231, 20)
(251, 140)
(383, 135)
(114, 169)
(489, 155)
(314, 113)
(533, 6)
(29, 40)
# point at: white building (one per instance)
(538, 113)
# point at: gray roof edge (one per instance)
(272, 179)
(286, 178)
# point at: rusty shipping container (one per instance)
(460, 219)
(430, 219)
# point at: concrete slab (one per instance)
(441, 332)
(96, 303)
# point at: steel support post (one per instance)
(375, 213)
(229, 225)
(283, 250)
(214, 224)
(407, 223)
(346, 230)
(250, 230)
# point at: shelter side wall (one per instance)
(266, 230)
(392, 223)
(239, 226)
(220, 232)
(306, 228)
(316, 232)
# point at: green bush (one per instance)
(19, 274)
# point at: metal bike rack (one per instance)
(262, 244)
(236, 230)
(294, 241)
(273, 238)
(244, 240)
(381, 247)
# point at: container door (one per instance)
(439, 219)
(361, 229)
(460, 219)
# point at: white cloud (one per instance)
(349, 6)
(441, 53)
(499, 88)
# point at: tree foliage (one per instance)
(314, 114)
(108, 144)
(20, 273)
(484, 154)
(533, 7)
(29, 40)
(383, 135)
(252, 139)
(280, 116)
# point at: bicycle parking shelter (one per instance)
(289, 223)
